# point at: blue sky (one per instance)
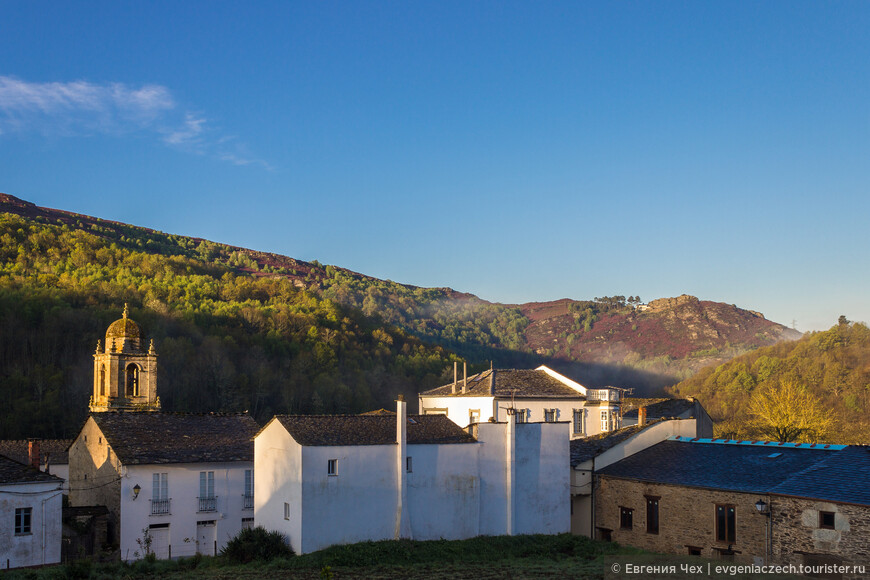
(520, 151)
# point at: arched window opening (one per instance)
(132, 381)
(103, 380)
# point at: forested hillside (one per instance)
(824, 376)
(227, 341)
(242, 329)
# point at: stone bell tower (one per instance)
(125, 375)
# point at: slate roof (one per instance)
(325, 430)
(799, 471)
(528, 383)
(57, 450)
(589, 447)
(658, 408)
(147, 438)
(841, 477)
(12, 471)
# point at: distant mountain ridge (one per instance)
(663, 341)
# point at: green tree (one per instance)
(787, 412)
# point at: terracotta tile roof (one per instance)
(56, 450)
(12, 471)
(316, 430)
(146, 438)
(531, 383)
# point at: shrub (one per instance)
(257, 544)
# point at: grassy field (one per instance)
(515, 557)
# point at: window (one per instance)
(132, 381)
(207, 500)
(725, 523)
(160, 494)
(22, 520)
(521, 415)
(474, 415)
(605, 421)
(408, 465)
(102, 380)
(578, 421)
(549, 415)
(694, 550)
(626, 515)
(332, 467)
(826, 520)
(247, 523)
(652, 514)
(249, 490)
(286, 511)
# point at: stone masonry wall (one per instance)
(797, 532)
(687, 517)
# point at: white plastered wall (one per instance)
(183, 488)
(42, 544)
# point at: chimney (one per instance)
(403, 527)
(464, 377)
(33, 453)
(510, 448)
(641, 416)
(455, 372)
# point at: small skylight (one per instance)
(413, 422)
(774, 455)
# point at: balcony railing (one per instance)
(208, 504)
(248, 502)
(159, 506)
(602, 395)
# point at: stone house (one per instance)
(592, 454)
(181, 482)
(537, 395)
(30, 516)
(324, 480)
(748, 501)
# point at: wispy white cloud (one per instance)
(81, 108)
(189, 133)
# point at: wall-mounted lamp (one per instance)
(761, 506)
(136, 490)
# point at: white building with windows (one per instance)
(539, 395)
(30, 516)
(174, 484)
(325, 480)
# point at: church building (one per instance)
(125, 375)
(174, 484)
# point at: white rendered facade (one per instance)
(590, 412)
(188, 523)
(321, 495)
(196, 506)
(30, 523)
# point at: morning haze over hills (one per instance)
(244, 329)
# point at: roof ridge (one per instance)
(759, 443)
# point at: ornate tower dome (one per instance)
(125, 376)
(124, 334)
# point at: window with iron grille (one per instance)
(207, 500)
